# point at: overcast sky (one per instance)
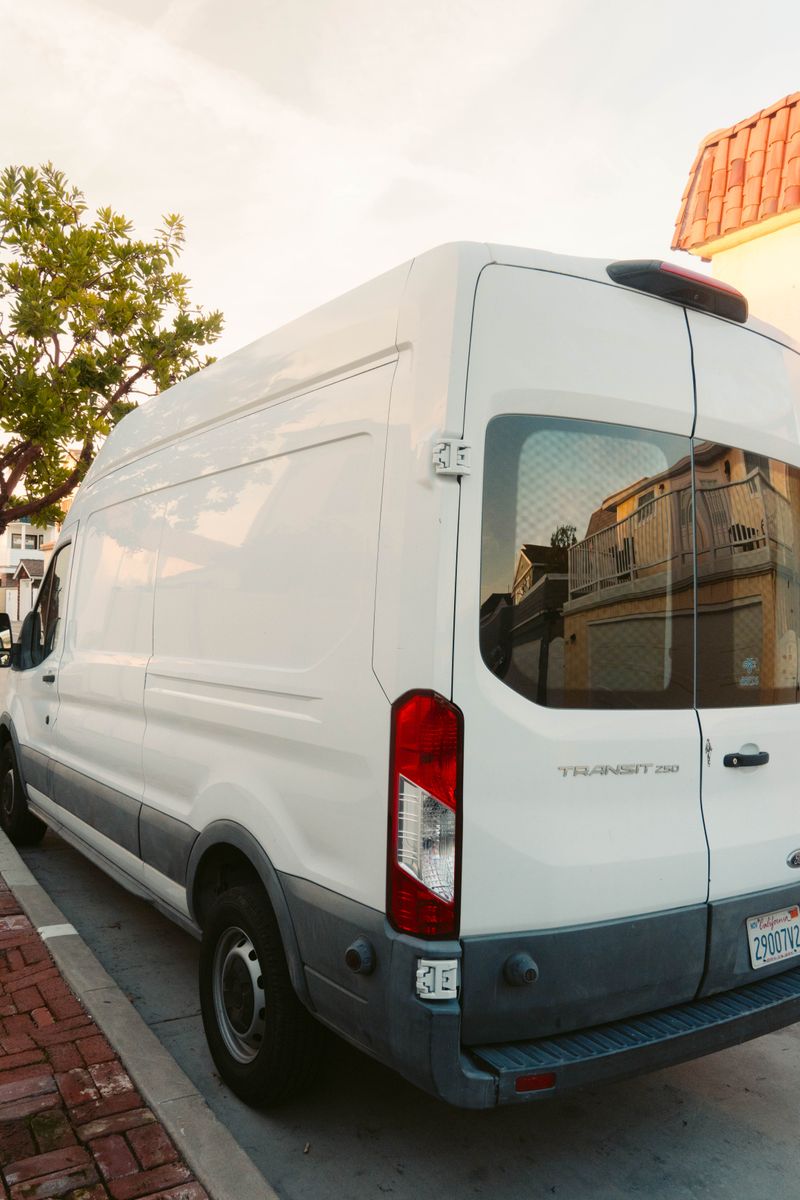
(311, 144)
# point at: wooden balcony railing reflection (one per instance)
(732, 518)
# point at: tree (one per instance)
(91, 319)
(564, 536)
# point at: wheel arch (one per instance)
(226, 850)
(9, 734)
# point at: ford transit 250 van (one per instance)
(435, 659)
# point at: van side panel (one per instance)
(419, 512)
(260, 701)
(98, 732)
(350, 333)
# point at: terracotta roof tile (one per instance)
(758, 135)
(775, 156)
(752, 191)
(742, 175)
(739, 145)
(732, 219)
(778, 126)
(736, 173)
(792, 171)
(771, 187)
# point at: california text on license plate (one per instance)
(774, 936)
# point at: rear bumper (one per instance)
(660, 1039)
(426, 1040)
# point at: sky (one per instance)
(312, 144)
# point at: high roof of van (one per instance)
(355, 331)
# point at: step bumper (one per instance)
(659, 1039)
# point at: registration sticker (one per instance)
(774, 936)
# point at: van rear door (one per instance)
(582, 825)
(747, 452)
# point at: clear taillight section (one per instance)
(426, 839)
(424, 814)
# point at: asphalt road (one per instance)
(725, 1126)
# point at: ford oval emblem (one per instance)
(794, 859)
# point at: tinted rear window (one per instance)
(587, 563)
(589, 573)
(748, 564)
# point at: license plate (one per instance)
(774, 936)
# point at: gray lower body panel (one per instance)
(35, 769)
(161, 841)
(165, 843)
(103, 808)
(728, 950)
(587, 974)
(432, 1043)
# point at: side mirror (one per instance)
(30, 637)
(6, 640)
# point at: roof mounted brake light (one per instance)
(682, 286)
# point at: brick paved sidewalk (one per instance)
(71, 1121)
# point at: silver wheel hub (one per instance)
(238, 990)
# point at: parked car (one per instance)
(434, 659)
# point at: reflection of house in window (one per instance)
(534, 563)
(540, 593)
(684, 585)
(644, 505)
(637, 552)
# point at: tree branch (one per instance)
(63, 489)
(18, 470)
(123, 390)
(12, 453)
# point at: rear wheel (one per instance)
(266, 1046)
(16, 819)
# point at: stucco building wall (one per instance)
(767, 271)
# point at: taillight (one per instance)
(425, 816)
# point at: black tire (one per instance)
(16, 819)
(265, 1044)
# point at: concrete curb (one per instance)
(216, 1158)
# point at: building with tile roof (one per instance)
(741, 210)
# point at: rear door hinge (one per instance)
(451, 456)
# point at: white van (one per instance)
(513, 540)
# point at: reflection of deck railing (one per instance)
(731, 518)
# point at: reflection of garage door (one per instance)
(631, 654)
(730, 652)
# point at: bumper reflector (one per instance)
(536, 1083)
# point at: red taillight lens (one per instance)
(425, 816)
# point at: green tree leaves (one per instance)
(92, 319)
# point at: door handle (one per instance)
(746, 760)
(48, 679)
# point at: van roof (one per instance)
(346, 335)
